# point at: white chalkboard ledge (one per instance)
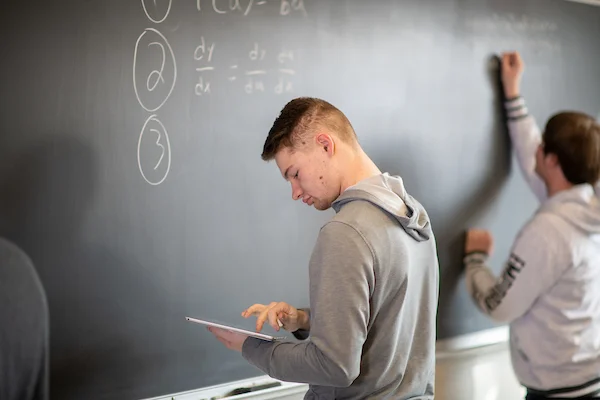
(287, 391)
(489, 337)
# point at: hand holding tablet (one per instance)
(257, 335)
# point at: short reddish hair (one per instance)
(301, 116)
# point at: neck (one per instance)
(357, 168)
(557, 187)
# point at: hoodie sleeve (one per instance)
(525, 136)
(302, 334)
(341, 280)
(537, 260)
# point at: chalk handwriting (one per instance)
(245, 6)
(254, 86)
(166, 13)
(284, 56)
(221, 6)
(203, 53)
(156, 78)
(200, 51)
(160, 145)
(284, 86)
(511, 23)
(257, 53)
(159, 77)
(287, 6)
(202, 87)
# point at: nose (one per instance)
(296, 191)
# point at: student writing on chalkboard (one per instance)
(550, 288)
(370, 329)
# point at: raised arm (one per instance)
(524, 132)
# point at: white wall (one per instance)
(482, 374)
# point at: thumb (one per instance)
(283, 317)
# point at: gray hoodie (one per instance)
(24, 328)
(373, 295)
(550, 288)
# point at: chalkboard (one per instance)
(130, 170)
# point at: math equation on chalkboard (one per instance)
(250, 74)
(255, 70)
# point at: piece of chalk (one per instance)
(279, 323)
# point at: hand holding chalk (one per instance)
(278, 315)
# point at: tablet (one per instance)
(238, 330)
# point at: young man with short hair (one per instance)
(549, 291)
(370, 330)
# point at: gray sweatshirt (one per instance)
(24, 328)
(373, 295)
(549, 290)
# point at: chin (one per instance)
(322, 207)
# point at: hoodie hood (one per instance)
(388, 193)
(579, 206)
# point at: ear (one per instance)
(552, 160)
(326, 143)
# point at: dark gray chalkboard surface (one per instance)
(130, 170)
